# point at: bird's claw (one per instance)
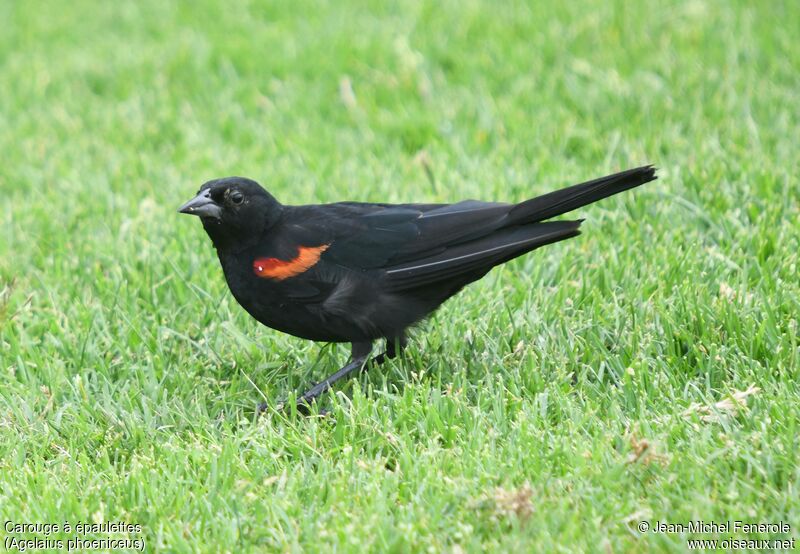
(303, 407)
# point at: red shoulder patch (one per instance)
(275, 268)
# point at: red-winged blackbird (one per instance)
(357, 272)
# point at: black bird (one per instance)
(357, 272)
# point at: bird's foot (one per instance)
(303, 404)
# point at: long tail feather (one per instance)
(568, 199)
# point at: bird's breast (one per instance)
(280, 293)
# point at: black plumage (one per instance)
(358, 272)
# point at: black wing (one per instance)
(417, 244)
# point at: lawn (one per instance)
(644, 371)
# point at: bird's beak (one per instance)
(202, 205)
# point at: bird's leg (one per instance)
(358, 360)
(395, 345)
(360, 350)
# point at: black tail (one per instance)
(568, 199)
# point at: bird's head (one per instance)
(235, 211)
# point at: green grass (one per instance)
(128, 374)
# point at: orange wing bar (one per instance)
(273, 268)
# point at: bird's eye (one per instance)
(236, 197)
